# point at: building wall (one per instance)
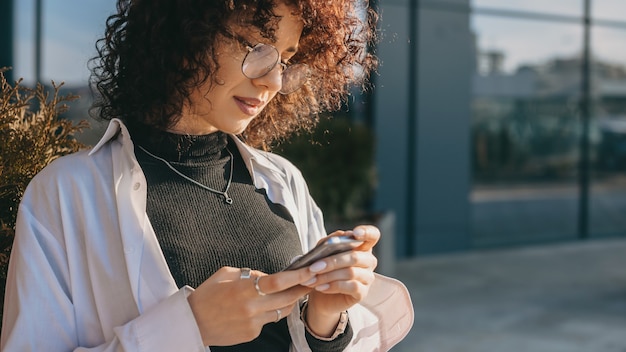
(445, 67)
(391, 102)
(422, 121)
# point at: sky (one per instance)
(71, 28)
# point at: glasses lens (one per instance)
(259, 61)
(294, 76)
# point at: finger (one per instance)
(362, 275)
(334, 234)
(281, 281)
(352, 288)
(228, 273)
(277, 314)
(369, 234)
(353, 258)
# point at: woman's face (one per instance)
(235, 100)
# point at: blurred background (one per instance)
(492, 124)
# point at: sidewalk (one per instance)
(554, 298)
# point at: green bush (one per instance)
(31, 136)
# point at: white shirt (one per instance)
(87, 272)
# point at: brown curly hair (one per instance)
(155, 52)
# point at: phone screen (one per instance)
(330, 246)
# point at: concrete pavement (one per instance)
(551, 298)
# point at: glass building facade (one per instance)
(498, 122)
(501, 123)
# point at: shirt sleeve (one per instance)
(42, 305)
(339, 344)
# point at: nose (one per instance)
(273, 80)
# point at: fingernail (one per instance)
(310, 282)
(318, 266)
(360, 232)
(323, 287)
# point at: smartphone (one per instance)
(329, 246)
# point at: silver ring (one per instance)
(278, 315)
(245, 273)
(256, 286)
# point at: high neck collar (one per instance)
(183, 148)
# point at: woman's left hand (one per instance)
(342, 281)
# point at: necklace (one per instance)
(227, 198)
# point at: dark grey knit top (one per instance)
(200, 233)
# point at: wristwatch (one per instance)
(341, 326)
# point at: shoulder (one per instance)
(75, 166)
(268, 162)
(70, 174)
(281, 163)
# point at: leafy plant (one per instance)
(31, 136)
(337, 160)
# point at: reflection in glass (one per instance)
(612, 10)
(608, 189)
(524, 42)
(24, 31)
(558, 7)
(70, 29)
(525, 131)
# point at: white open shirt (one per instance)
(87, 272)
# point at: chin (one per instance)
(235, 129)
(241, 127)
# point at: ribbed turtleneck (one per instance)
(199, 233)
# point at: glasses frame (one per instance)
(283, 66)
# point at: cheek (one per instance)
(229, 70)
(200, 96)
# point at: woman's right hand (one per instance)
(229, 310)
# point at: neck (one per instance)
(185, 147)
(185, 127)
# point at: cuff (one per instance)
(168, 326)
(338, 341)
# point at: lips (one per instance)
(249, 106)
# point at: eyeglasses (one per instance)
(262, 58)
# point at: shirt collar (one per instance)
(253, 158)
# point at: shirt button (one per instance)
(137, 186)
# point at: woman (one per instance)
(145, 242)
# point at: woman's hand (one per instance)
(229, 309)
(342, 281)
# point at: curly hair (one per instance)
(155, 52)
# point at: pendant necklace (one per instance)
(227, 198)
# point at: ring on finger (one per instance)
(256, 286)
(278, 315)
(245, 273)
